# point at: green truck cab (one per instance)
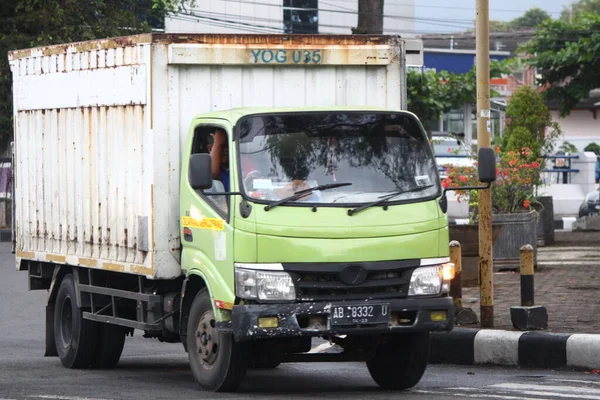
(331, 227)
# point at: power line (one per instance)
(451, 7)
(461, 24)
(205, 16)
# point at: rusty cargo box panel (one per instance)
(99, 127)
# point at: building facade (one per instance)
(286, 16)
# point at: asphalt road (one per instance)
(150, 370)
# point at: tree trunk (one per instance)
(370, 17)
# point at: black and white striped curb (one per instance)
(465, 346)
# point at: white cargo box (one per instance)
(99, 127)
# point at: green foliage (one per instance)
(531, 19)
(529, 123)
(566, 56)
(593, 147)
(32, 23)
(568, 147)
(580, 7)
(431, 94)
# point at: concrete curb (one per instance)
(466, 346)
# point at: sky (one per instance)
(453, 16)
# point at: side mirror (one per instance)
(486, 168)
(200, 174)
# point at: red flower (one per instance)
(526, 203)
(463, 178)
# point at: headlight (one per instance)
(264, 285)
(431, 280)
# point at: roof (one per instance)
(202, 38)
(499, 41)
(235, 114)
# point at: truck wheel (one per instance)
(217, 362)
(400, 363)
(74, 336)
(110, 342)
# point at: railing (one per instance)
(564, 168)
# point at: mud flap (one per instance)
(50, 343)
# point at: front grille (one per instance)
(384, 280)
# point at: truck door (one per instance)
(207, 236)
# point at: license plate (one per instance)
(359, 314)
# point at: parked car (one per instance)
(450, 150)
(591, 204)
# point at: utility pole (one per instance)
(484, 131)
(370, 18)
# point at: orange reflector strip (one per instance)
(223, 305)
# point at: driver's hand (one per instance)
(220, 137)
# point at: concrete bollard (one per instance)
(462, 315)
(528, 316)
(456, 285)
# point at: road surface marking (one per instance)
(569, 389)
(573, 381)
(57, 397)
(476, 395)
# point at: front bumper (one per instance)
(313, 319)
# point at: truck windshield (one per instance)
(374, 154)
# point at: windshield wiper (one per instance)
(385, 198)
(300, 193)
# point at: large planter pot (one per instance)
(519, 229)
(545, 225)
(468, 237)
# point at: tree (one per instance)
(370, 17)
(529, 124)
(30, 23)
(432, 94)
(566, 56)
(531, 19)
(580, 7)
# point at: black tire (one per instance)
(75, 337)
(217, 362)
(400, 363)
(110, 343)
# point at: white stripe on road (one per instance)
(567, 395)
(569, 389)
(573, 381)
(476, 396)
(57, 397)
(539, 392)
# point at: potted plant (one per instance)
(513, 198)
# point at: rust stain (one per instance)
(88, 262)
(25, 254)
(55, 258)
(140, 269)
(166, 39)
(113, 267)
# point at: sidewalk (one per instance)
(567, 283)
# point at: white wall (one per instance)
(266, 16)
(579, 128)
(229, 16)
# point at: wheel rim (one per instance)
(66, 322)
(207, 340)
